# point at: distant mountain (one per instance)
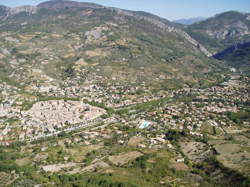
(189, 21)
(222, 30)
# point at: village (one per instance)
(85, 131)
(93, 95)
(187, 108)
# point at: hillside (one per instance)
(103, 97)
(112, 45)
(59, 5)
(222, 30)
(237, 56)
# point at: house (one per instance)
(180, 159)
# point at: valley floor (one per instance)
(188, 137)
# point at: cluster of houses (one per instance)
(209, 106)
(52, 117)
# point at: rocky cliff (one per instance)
(222, 30)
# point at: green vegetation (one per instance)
(211, 165)
(222, 22)
(69, 71)
(104, 180)
(136, 71)
(135, 57)
(174, 136)
(239, 116)
(101, 105)
(147, 106)
(237, 57)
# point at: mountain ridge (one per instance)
(56, 5)
(189, 21)
(52, 5)
(222, 30)
(142, 46)
(60, 5)
(226, 35)
(110, 97)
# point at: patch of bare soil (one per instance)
(179, 166)
(196, 151)
(134, 141)
(124, 158)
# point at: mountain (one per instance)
(237, 55)
(28, 9)
(189, 21)
(55, 5)
(222, 30)
(3, 11)
(58, 4)
(79, 43)
(99, 96)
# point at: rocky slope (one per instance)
(3, 11)
(58, 5)
(222, 30)
(97, 96)
(114, 44)
(237, 55)
(166, 25)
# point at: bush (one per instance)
(174, 135)
(237, 117)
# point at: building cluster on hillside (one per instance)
(51, 117)
(207, 106)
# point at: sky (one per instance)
(170, 9)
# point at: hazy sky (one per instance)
(170, 9)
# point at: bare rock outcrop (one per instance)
(28, 9)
